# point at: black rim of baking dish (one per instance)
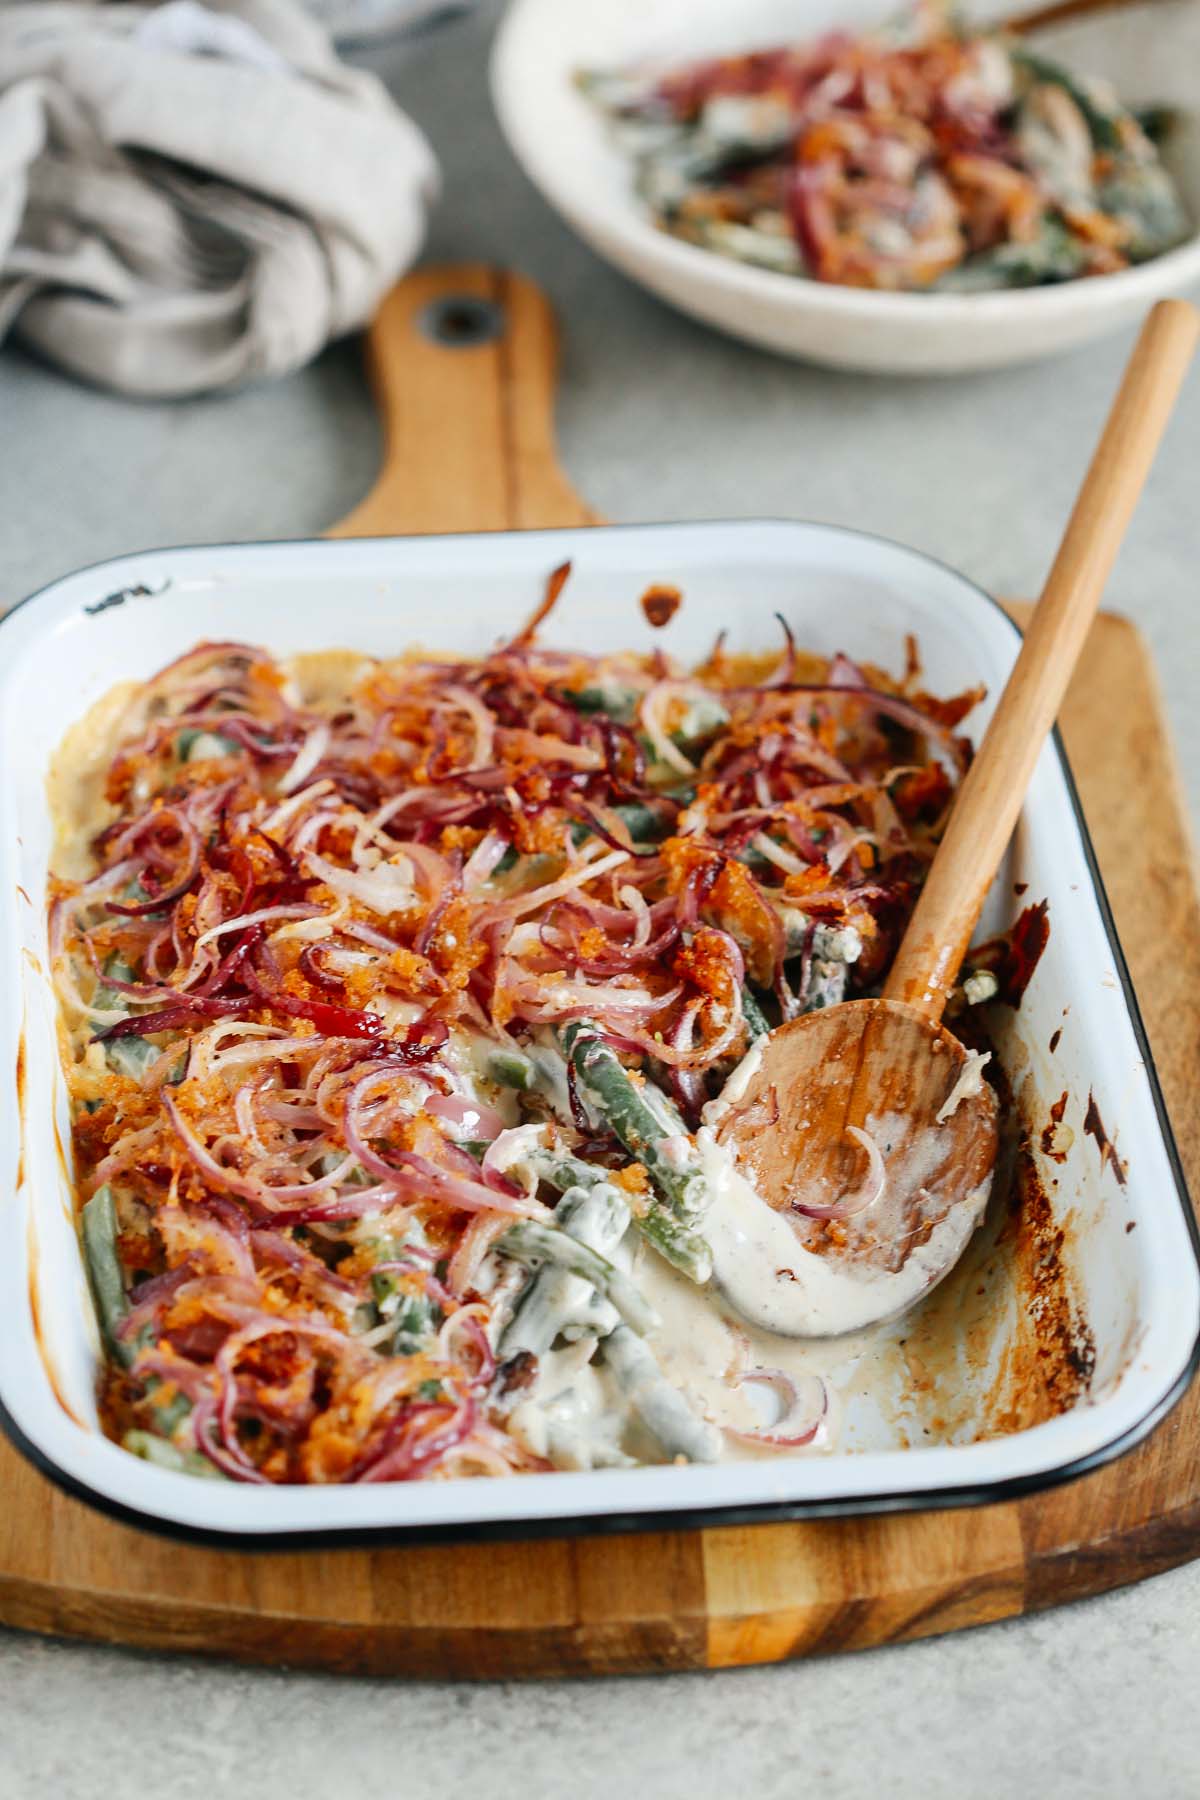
(666, 1518)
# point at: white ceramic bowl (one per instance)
(1135, 1293)
(564, 147)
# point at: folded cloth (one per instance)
(192, 196)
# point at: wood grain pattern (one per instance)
(1065, 12)
(468, 431)
(825, 1080)
(671, 1600)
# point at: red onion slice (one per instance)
(472, 1118)
(867, 1194)
(306, 759)
(481, 863)
(801, 1416)
(233, 1181)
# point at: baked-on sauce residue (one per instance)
(1004, 1343)
(21, 1107)
(1050, 1144)
(1014, 955)
(1065, 1348)
(1027, 940)
(660, 603)
(1093, 1125)
(1055, 1039)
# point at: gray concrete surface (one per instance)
(658, 419)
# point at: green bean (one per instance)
(1102, 120)
(831, 949)
(644, 1120)
(757, 1023)
(536, 1245)
(1143, 197)
(528, 871)
(1157, 122)
(99, 1231)
(619, 703)
(107, 1276)
(510, 1069)
(645, 824)
(193, 745)
(682, 1247)
(112, 1000)
(833, 943)
(640, 1116)
(416, 1320)
(563, 1172)
(129, 1056)
(659, 1407)
(595, 1214)
(168, 1456)
(414, 1316)
(681, 1244)
(550, 1079)
(1054, 255)
(558, 1303)
(132, 1056)
(112, 1303)
(108, 997)
(167, 1413)
(704, 717)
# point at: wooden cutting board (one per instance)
(468, 420)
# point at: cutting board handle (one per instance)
(463, 362)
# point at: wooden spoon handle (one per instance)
(1063, 12)
(990, 798)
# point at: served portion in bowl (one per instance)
(920, 155)
(400, 1001)
(873, 198)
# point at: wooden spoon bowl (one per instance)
(882, 1069)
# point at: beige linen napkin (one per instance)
(192, 196)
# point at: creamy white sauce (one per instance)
(512, 1150)
(577, 1415)
(766, 1273)
(735, 1087)
(969, 1083)
(703, 1348)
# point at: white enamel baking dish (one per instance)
(568, 152)
(1138, 1290)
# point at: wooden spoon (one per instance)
(888, 1068)
(1063, 12)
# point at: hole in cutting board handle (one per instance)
(460, 321)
